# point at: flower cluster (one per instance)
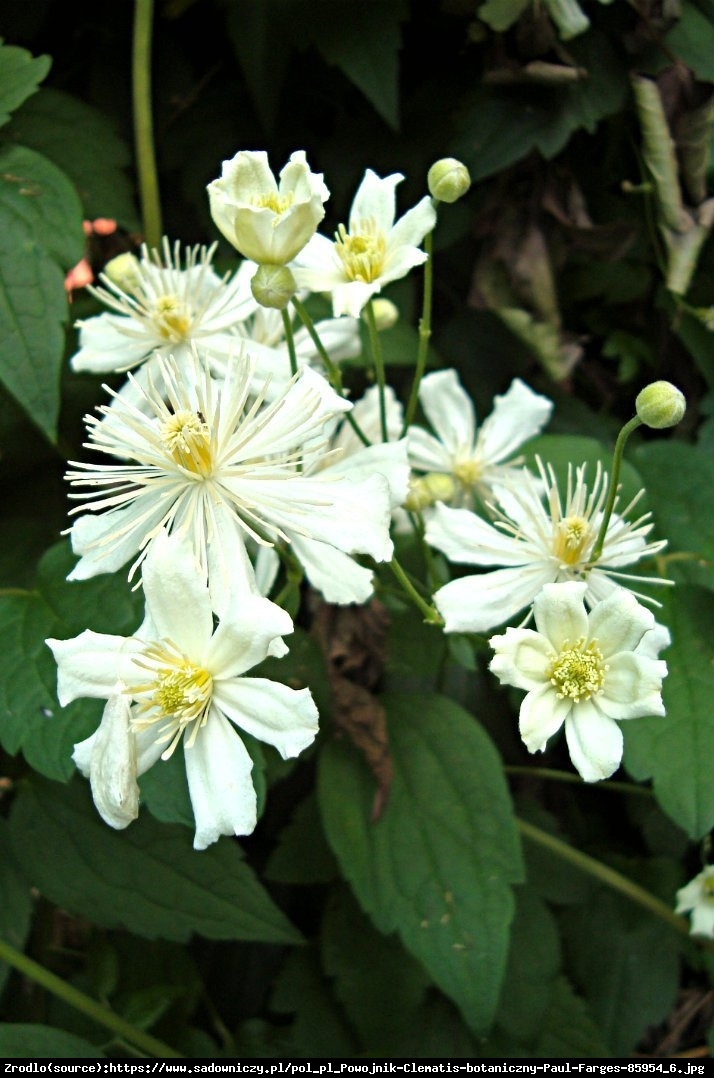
(232, 449)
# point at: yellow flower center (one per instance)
(362, 254)
(274, 201)
(177, 695)
(572, 536)
(468, 472)
(171, 318)
(188, 440)
(708, 888)
(578, 671)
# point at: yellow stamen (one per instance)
(572, 536)
(276, 202)
(578, 671)
(362, 253)
(188, 440)
(171, 319)
(468, 472)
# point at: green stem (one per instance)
(424, 335)
(290, 341)
(334, 374)
(430, 614)
(94, 1010)
(607, 876)
(575, 780)
(622, 437)
(143, 124)
(378, 357)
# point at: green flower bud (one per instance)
(427, 489)
(123, 271)
(386, 313)
(448, 179)
(273, 286)
(660, 405)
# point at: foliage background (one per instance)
(579, 261)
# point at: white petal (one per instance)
(87, 665)
(375, 201)
(477, 604)
(560, 613)
(449, 409)
(412, 227)
(522, 658)
(349, 297)
(335, 574)
(388, 459)
(177, 595)
(518, 415)
(112, 765)
(283, 717)
(655, 640)
(218, 769)
(466, 538)
(230, 572)
(427, 453)
(632, 687)
(105, 344)
(703, 920)
(619, 622)
(542, 714)
(244, 635)
(594, 742)
(106, 541)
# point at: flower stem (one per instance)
(424, 334)
(622, 437)
(290, 340)
(93, 1009)
(143, 124)
(334, 374)
(378, 358)
(606, 875)
(575, 780)
(430, 614)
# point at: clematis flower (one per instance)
(586, 671)
(475, 460)
(371, 252)
(159, 307)
(697, 898)
(267, 222)
(201, 459)
(179, 679)
(537, 543)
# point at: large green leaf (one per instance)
(568, 1029)
(29, 1040)
(692, 40)
(20, 74)
(40, 238)
(319, 1026)
(168, 890)
(438, 865)
(15, 900)
(677, 751)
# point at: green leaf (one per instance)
(568, 1030)
(40, 238)
(319, 1027)
(28, 1040)
(15, 901)
(498, 127)
(500, 14)
(676, 475)
(164, 791)
(302, 854)
(692, 41)
(80, 141)
(676, 751)
(168, 890)
(533, 965)
(20, 75)
(437, 866)
(565, 450)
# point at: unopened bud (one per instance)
(386, 313)
(123, 271)
(273, 286)
(660, 405)
(425, 490)
(448, 180)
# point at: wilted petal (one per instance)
(112, 767)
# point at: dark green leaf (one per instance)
(437, 866)
(319, 1027)
(569, 1030)
(533, 965)
(28, 1040)
(15, 901)
(20, 74)
(302, 854)
(692, 41)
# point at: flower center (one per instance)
(362, 254)
(171, 319)
(572, 535)
(276, 202)
(177, 694)
(188, 440)
(708, 888)
(468, 472)
(578, 671)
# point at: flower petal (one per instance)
(477, 604)
(468, 539)
(280, 716)
(632, 687)
(542, 714)
(218, 769)
(594, 742)
(518, 415)
(335, 574)
(87, 665)
(375, 202)
(522, 658)
(427, 453)
(244, 635)
(619, 622)
(448, 408)
(112, 767)
(560, 613)
(177, 595)
(412, 227)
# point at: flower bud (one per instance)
(448, 180)
(386, 313)
(273, 286)
(123, 271)
(425, 490)
(660, 405)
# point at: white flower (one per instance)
(161, 309)
(475, 460)
(199, 459)
(266, 221)
(370, 253)
(179, 678)
(585, 670)
(698, 897)
(538, 544)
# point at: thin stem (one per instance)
(94, 1010)
(143, 123)
(290, 341)
(622, 437)
(334, 374)
(430, 614)
(607, 876)
(424, 335)
(566, 776)
(378, 357)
